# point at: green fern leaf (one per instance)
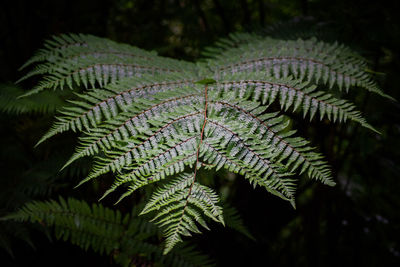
(97, 106)
(292, 93)
(126, 237)
(147, 118)
(180, 205)
(86, 60)
(305, 60)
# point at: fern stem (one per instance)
(197, 152)
(302, 59)
(271, 59)
(201, 139)
(106, 53)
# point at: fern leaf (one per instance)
(220, 113)
(180, 205)
(272, 130)
(41, 104)
(90, 61)
(233, 220)
(292, 93)
(106, 231)
(124, 125)
(305, 60)
(253, 164)
(141, 147)
(96, 106)
(233, 40)
(171, 160)
(79, 45)
(95, 227)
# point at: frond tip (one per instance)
(179, 205)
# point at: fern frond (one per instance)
(171, 159)
(74, 60)
(233, 220)
(289, 93)
(124, 125)
(96, 106)
(147, 159)
(250, 158)
(215, 114)
(180, 205)
(310, 60)
(40, 104)
(96, 227)
(106, 231)
(142, 158)
(78, 45)
(148, 141)
(272, 130)
(232, 41)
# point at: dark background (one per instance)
(355, 223)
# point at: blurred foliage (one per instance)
(355, 223)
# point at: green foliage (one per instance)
(130, 239)
(147, 118)
(233, 220)
(181, 204)
(87, 60)
(43, 103)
